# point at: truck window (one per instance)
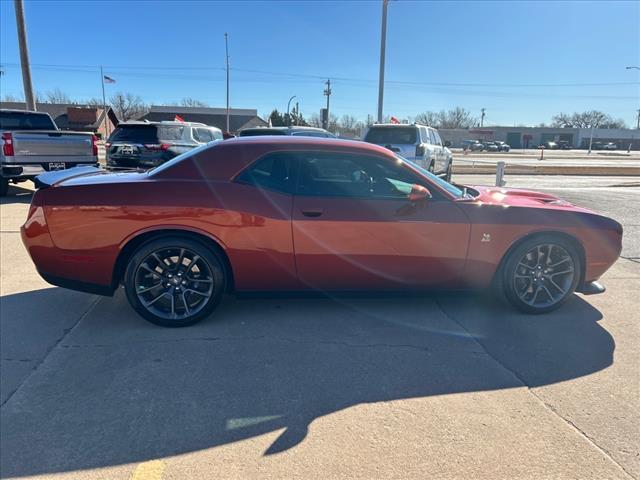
(26, 121)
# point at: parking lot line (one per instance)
(151, 470)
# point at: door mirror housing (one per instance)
(447, 143)
(419, 193)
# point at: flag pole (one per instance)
(104, 103)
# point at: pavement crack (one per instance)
(65, 332)
(255, 337)
(546, 405)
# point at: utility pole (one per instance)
(297, 113)
(482, 118)
(24, 55)
(327, 92)
(226, 47)
(383, 46)
(638, 121)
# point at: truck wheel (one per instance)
(447, 176)
(4, 186)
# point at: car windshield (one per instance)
(391, 135)
(452, 189)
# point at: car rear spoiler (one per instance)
(48, 179)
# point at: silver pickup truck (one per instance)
(31, 144)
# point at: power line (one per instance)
(94, 68)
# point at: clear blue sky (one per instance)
(508, 57)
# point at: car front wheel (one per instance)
(174, 281)
(540, 274)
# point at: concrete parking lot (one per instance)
(433, 386)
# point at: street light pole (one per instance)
(24, 55)
(383, 46)
(226, 47)
(288, 105)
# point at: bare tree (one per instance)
(348, 122)
(193, 102)
(128, 106)
(588, 119)
(428, 118)
(13, 98)
(57, 96)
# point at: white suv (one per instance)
(418, 143)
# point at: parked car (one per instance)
(564, 145)
(418, 143)
(502, 146)
(490, 146)
(595, 145)
(609, 146)
(149, 144)
(32, 144)
(549, 145)
(294, 131)
(472, 145)
(225, 217)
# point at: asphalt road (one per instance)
(439, 386)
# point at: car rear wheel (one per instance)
(174, 281)
(541, 274)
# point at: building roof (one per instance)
(239, 118)
(58, 112)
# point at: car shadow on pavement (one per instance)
(117, 390)
(16, 194)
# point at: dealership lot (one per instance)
(440, 386)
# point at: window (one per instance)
(310, 133)
(391, 135)
(217, 135)
(345, 175)
(26, 121)
(437, 137)
(432, 138)
(273, 172)
(202, 135)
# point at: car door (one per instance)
(436, 145)
(262, 198)
(354, 226)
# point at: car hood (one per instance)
(515, 197)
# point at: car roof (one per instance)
(284, 128)
(286, 140)
(165, 122)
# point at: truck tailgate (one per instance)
(31, 145)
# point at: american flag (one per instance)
(108, 79)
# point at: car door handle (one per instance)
(312, 212)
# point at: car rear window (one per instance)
(146, 133)
(253, 132)
(26, 121)
(391, 135)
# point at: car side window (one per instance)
(202, 135)
(273, 172)
(432, 138)
(425, 135)
(437, 138)
(343, 175)
(216, 134)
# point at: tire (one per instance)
(4, 186)
(166, 290)
(447, 175)
(540, 274)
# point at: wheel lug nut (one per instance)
(184, 282)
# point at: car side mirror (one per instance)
(447, 143)
(419, 193)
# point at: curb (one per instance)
(621, 171)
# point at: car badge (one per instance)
(486, 237)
